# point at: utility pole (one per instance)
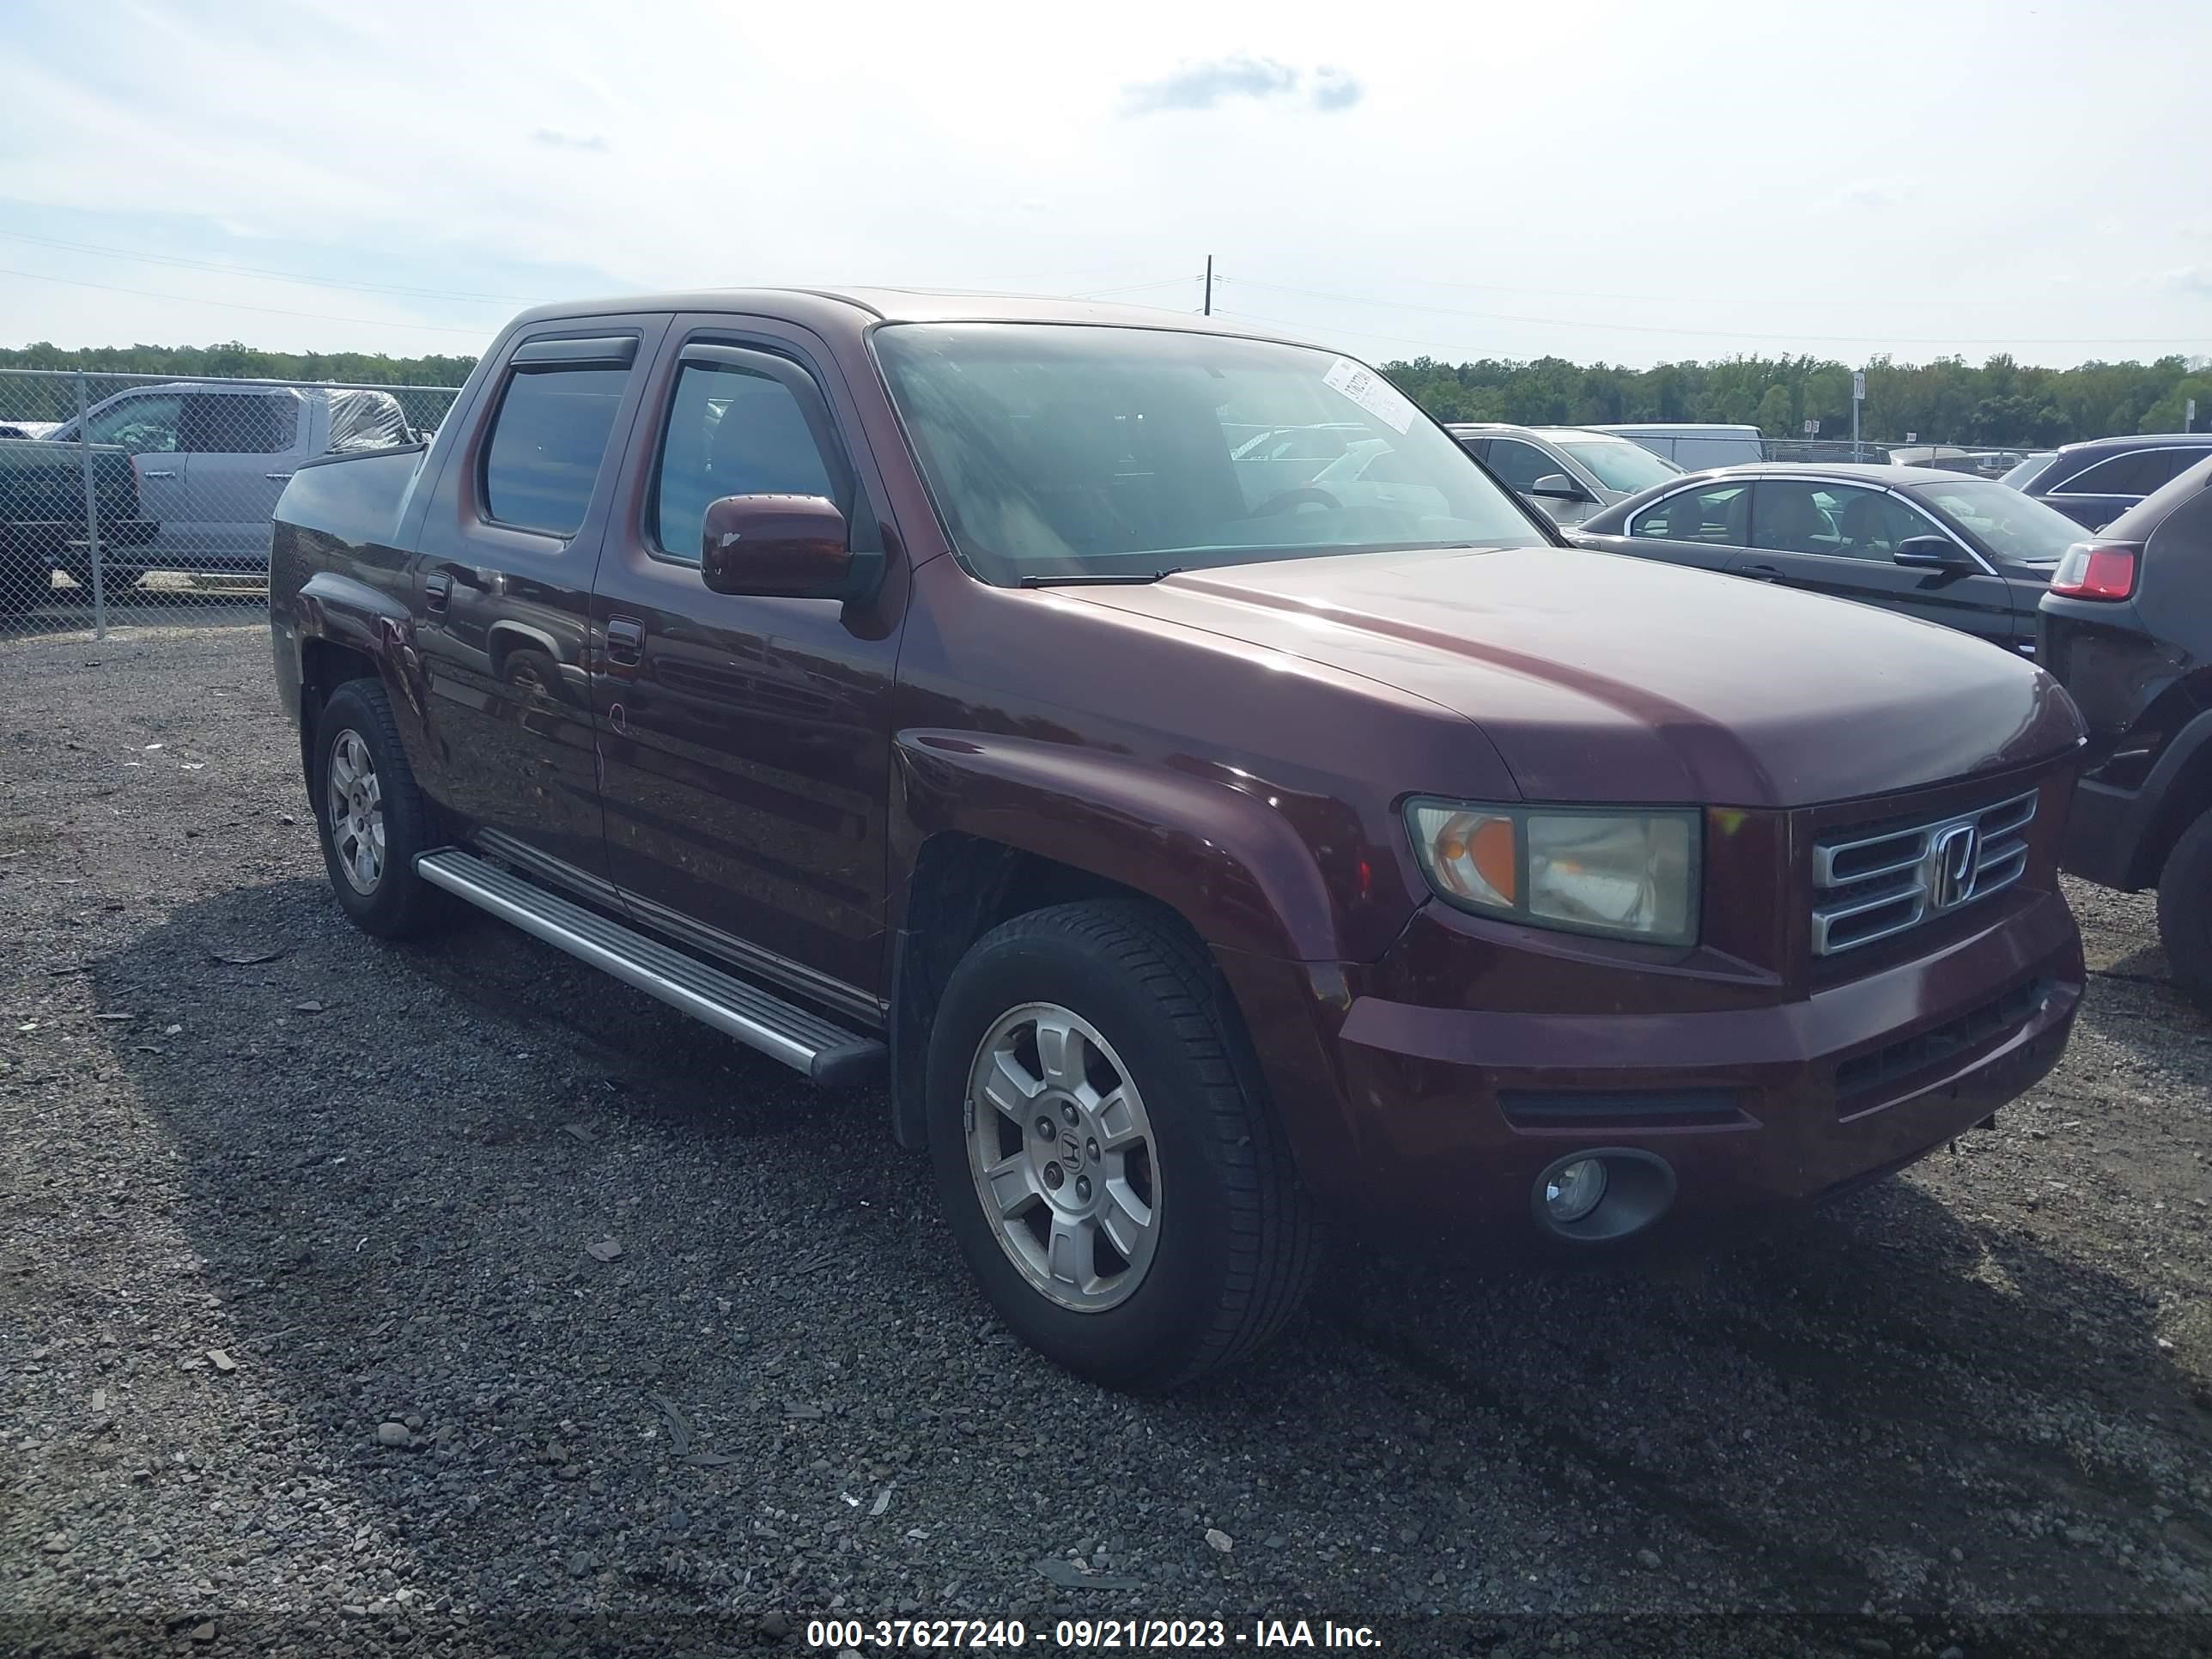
(1209, 285)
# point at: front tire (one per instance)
(372, 818)
(2185, 911)
(1104, 1151)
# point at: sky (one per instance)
(1631, 183)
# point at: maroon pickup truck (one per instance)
(1196, 840)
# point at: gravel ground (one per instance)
(303, 1341)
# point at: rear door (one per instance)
(1837, 539)
(241, 446)
(747, 739)
(1703, 526)
(500, 585)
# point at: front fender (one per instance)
(1230, 863)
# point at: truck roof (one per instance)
(856, 308)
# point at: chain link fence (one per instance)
(129, 499)
(1977, 460)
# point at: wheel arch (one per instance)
(989, 828)
(2183, 797)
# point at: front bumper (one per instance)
(1447, 1115)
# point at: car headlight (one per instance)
(1629, 875)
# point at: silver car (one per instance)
(1565, 472)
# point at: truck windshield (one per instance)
(1058, 451)
(1619, 463)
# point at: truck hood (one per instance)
(1602, 678)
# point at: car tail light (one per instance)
(2096, 570)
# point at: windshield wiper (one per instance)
(1134, 578)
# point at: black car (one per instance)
(1968, 553)
(2093, 482)
(2127, 630)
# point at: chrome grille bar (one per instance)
(1872, 886)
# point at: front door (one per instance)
(502, 584)
(145, 423)
(747, 740)
(1519, 465)
(1837, 540)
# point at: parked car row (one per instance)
(187, 476)
(1965, 552)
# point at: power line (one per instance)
(1708, 333)
(1133, 288)
(261, 311)
(183, 263)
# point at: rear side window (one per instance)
(1718, 516)
(2136, 474)
(732, 432)
(547, 442)
(237, 423)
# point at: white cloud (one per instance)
(1215, 81)
(554, 138)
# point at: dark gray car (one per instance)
(1968, 553)
(2093, 482)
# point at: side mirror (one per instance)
(1559, 487)
(790, 547)
(1932, 553)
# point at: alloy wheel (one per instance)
(354, 804)
(1063, 1156)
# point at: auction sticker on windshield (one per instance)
(1371, 393)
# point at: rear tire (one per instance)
(21, 588)
(2184, 912)
(1140, 1245)
(373, 820)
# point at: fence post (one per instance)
(91, 511)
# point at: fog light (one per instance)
(1573, 1190)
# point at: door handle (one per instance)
(1759, 573)
(625, 641)
(166, 472)
(277, 477)
(437, 588)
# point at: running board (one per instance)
(760, 1019)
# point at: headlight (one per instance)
(1631, 875)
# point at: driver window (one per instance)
(144, 426)
(1794, 515)
(731, 432)
(1518, 465)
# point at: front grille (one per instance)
(1875, 882)
(1864, 1073)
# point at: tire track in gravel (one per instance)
(1804, 1570)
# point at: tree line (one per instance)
(56, 400)
(1951, 401)
(2000, 403)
